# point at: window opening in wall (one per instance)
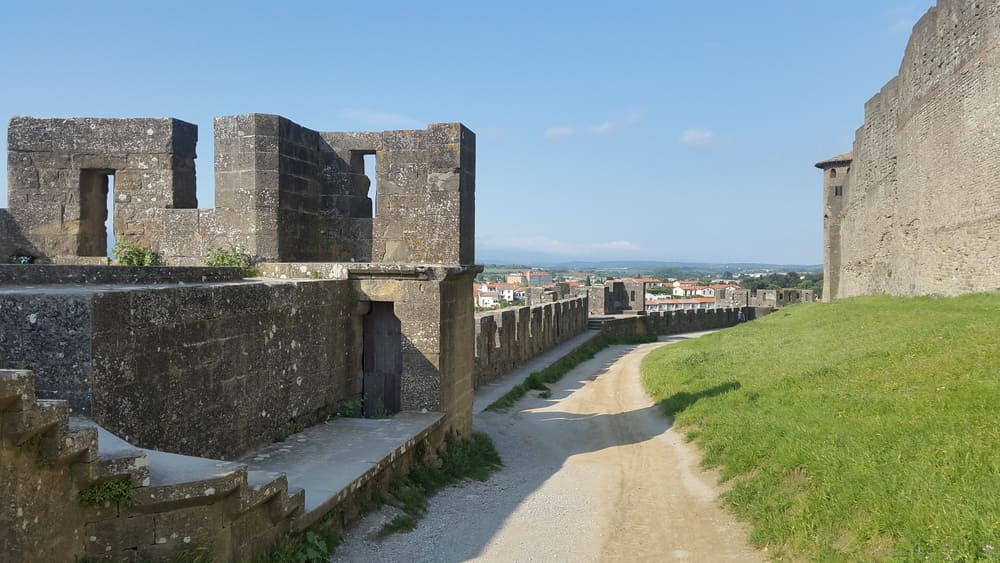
(833, 172)
(97, 204)
(370, 171)
(838, 190)
(109, 220)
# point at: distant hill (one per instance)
(653, 265)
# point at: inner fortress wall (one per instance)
(284, 192)
(921, 210)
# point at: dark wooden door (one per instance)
(383, 360)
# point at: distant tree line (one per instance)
(812, 280)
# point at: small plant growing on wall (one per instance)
(232, 257)
(119, 491)
(351, 408)
(133, 253)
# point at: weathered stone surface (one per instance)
(506, 339)
(198, 361)
(677, 322)
(52, 275)
(916, 208)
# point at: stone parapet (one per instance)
(506, 339)
(46, 274)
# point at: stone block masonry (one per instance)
(283, 192)
(916, 208)
(676, 322)
(200, 361)
(508, 338)
(58, 171)
(202, 369)
(437, 327)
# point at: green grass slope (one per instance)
(863, 429)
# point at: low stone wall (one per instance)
(223, 508)
(508, 338)
(47, 274)
(207, 369)
(676, 322)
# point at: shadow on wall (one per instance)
(12, 241)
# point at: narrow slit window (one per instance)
(97, 217)
(371, 171)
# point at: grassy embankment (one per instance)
(864, 429)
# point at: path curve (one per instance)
(593, 473)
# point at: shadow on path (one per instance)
(535, 440)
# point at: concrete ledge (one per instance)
(50, 274)
(362, 270)
(333, 460)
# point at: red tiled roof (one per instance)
(845, 158)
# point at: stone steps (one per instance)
(239, 507)
(177, 481)
(594, 323)
(165, 484)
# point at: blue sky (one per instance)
(659, 130)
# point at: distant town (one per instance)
(662, 290)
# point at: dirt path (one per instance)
(592, 474)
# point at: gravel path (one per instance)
(593, 473)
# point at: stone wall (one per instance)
(283, 192)
(45, 464)
(46, 274)
(506, 339)
(207, 369)
(778, 298)
(307, 202)
(921, 210)
(676, 322)
(731, 298)
(58, 173)
(12, 240)
(616, 297)
(425, 208)
(435, 312)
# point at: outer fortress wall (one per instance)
(506, 339)
(921, 212)
(677, 322)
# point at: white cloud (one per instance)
(617, 245)
(603, 128)
(606, 127)
(379, 118)
(622, 121)
(559, 132)
(700, 140)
